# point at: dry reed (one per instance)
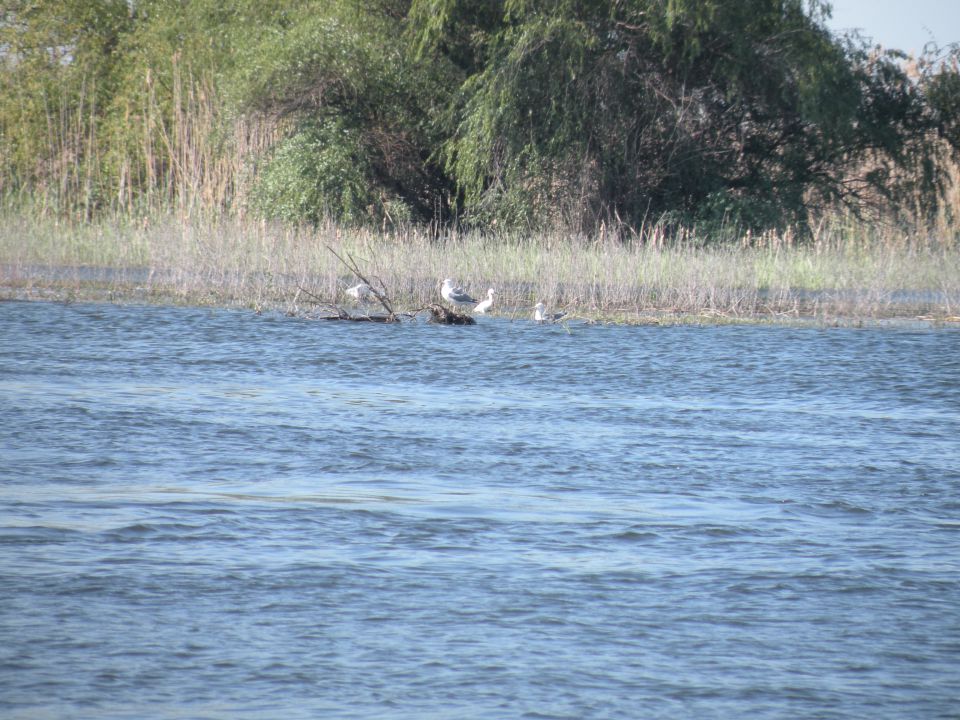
(847, 270)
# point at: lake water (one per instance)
(214, 514)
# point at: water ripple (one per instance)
(215, 514)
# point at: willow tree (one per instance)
(517, 112)
(360, 116)
(596, 110)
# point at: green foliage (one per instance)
(941, 85)
(362, 108)
(57, 73)
(319, 172)
(514, 113)
(618, 111)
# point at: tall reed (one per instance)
(846, 270)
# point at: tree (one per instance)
(515, 112)
(361, 111)
(621, 110)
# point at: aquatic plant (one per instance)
(848, 269)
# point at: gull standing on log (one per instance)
(360, 292)
(455, 295)
(541, 316)
(486, 304)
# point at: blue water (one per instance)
(214, 514)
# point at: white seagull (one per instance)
(541, 316)
(455, 295)
(360, 292)
(486, 304)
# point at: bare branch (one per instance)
(353, 267)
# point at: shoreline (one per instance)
(848, 275)
(810, 309)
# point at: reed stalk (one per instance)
(847, 270)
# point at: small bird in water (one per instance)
(486, 304)
(455, 295)
(360, 292)
(541, 316)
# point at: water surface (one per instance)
(215, 514)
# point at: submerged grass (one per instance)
(846, 271)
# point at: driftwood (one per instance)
(378, 294)
(440, 314)
(361, 318)
(339, 313)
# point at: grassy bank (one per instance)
(847, 271)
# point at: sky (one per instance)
(900, 24)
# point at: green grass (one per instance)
(846, 271)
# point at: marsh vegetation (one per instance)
(841, 272)
(619, 159)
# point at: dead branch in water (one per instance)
(438, 313)
(361, 318)
(342, 314)
(354, 268)
(316, 300)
